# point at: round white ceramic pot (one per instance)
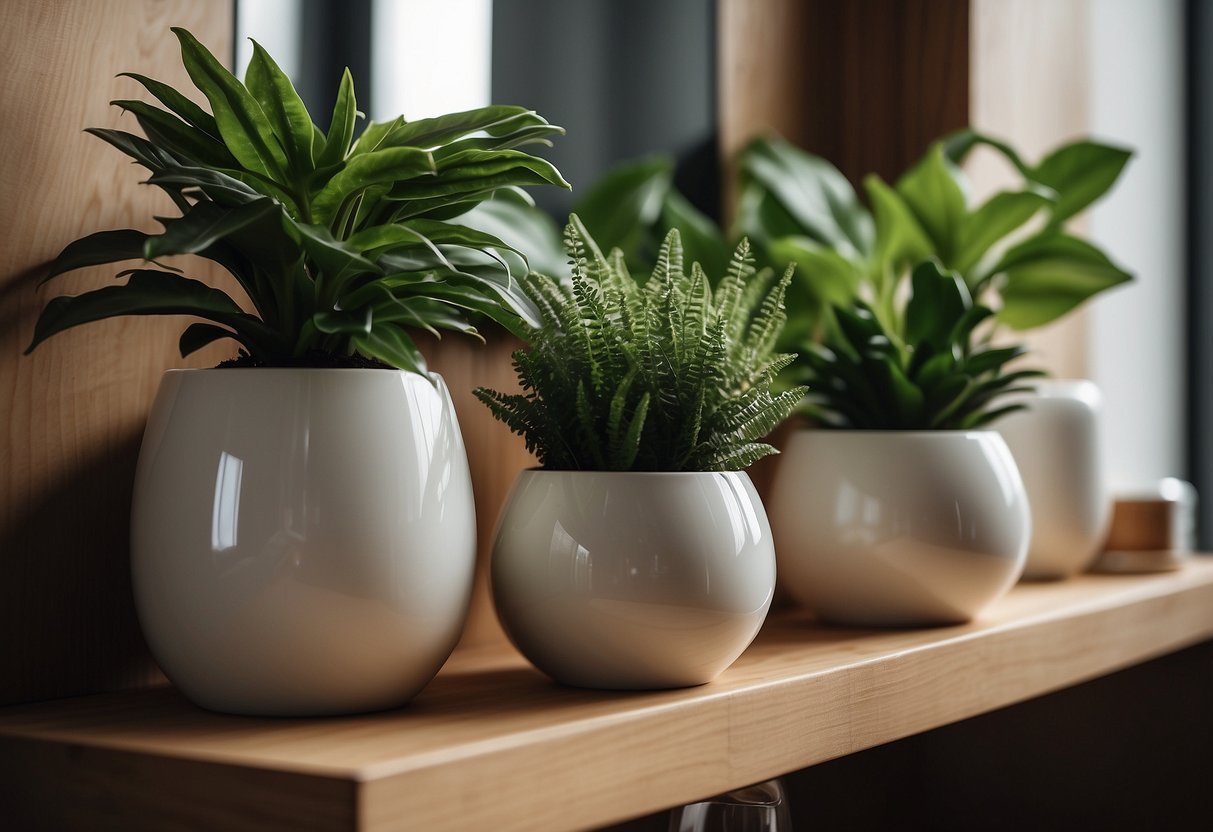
(302, 541)
(1056, 444)
(887, 528)
(627, 580)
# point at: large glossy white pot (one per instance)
(898, 528)
(303, 541)
(633, 580)
(1055, 442)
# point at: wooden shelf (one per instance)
(491, 744)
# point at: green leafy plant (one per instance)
(341, 245)
(1012, 251)
(929, 373)
(670, 375)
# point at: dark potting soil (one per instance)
(313, 360)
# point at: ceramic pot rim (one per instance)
(915, 434)
(596, 472)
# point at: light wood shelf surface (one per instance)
(491, 744)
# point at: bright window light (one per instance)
(275, 24)
(430, 57)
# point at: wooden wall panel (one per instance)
(72, 414)
(868, 84)
(495, 455)
(1030, 62)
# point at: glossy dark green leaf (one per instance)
(149, 292)
(341, 124)
(813, 192)
(1050, 274)
(241, 122)
(392, 344)
(494, 120)
(397, 164)
(940, 299)
(282, 106)
(933, 191)
(179, 104)
(206, 225)
(1080, 173)
(97, 249)
(522, 227)
(199, 335)
(170, 133)
(342, 322)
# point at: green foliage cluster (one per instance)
(339, 244)
(668, 375)
(1012, 250)
(931, 374)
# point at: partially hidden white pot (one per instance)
(627, 580)
(1056, 444)
(302, 541)
(898, 528)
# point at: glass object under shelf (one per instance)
(762, 807)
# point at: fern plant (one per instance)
(931, 373)
(665, 376)
(340, 245)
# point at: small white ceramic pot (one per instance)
(302, 541)
(628, 580)
(887, 528)
(1055, 442)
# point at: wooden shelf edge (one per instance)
(491, 744)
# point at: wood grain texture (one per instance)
(495, 456)
(868, 84)
(73, 412)
(1030, 86)
(491, 744)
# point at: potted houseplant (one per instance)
(639, 555)
(900, 508)
(1013, 252)
(302, 529)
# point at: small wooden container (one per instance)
(1151, 530)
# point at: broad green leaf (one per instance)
(1080, 173)
(342, 322)
(522, 227)
(823, 276)
(392, 344)
(474, 170)
(957, 146)
(243, 125)
(940, 299)
(702, 240)
(281, 104)
(1050, 274)
(622, 207)
(1001, 215)
(932, 190)
(206, 225)
(533, 134)
(179, 104)
(395, 164)
(430, 132)
(197, 336)
(337, 261)
(174, 135)
(97, 249)
(148, 292)
(341, 125)
(899, 236)
(813, 192)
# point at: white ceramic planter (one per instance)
(1055, 442)
(302, 541)
(633, 580)
(898, 528)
